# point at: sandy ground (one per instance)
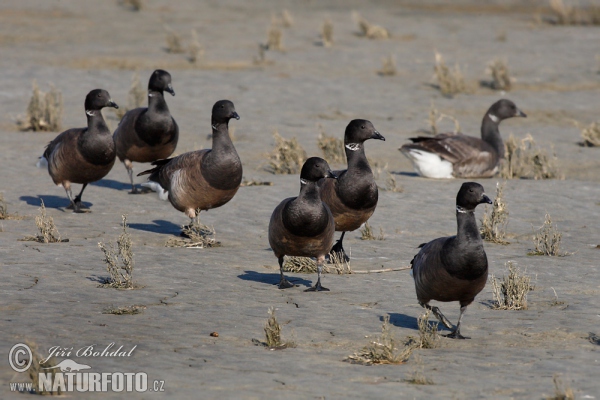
(49, 293)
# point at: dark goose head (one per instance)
(359, 130)
(503, 109)
(316, 168)
(97, 99)
(470, 195)
(160, 81)
(223, 111)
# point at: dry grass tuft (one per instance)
(590, 134)
(174, 43)
(37, 367)
(417, 376)
(435, 117)
(366, 233)
(493, 224)
(306, 265)
(198, 236)
(511, 292)
(450, 82)
(126, 310)
(369, 30)
(429, 337)
(273, 334)
(287, 156)
(389, 66)
(195, 49)
(561, 392)
(391, 185)
(253, 182)
(4, 214)
(133, 5)
(547, 240)
(287, 21)
(593, 338)
(384, 350)
(567, 13)
(121, 277)
(525, 159)
(331, 147)
(501, 79)
(327, 33)
(47, 228)
(274, 38)
(44, 112)
(135, 98)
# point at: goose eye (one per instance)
(362, 127)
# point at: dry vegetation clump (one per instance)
(417, 376)
(273, 339)
(121, 276)
(195, 236)
(493, 224)
(510, 293)
(369, 30)
(4, 214)
(384, 350)
(44, 112)
(429, 337)
(327, 33)
(253, 182)
(593, 338)
(566, 12)
(274, 38)
(435, 117)
(287, 156)
(331, 147)
(133, 5)
(195, 49)
(501, 79)
(449, 82)
(391, 185)
(590, 134)
(547, 240)
(37, 367)
(126, 310)
(48, 233)
(135, 97)
(525, 159)
(389, 66)
(561, 392)
(366, 233)
(287, 21)
(174, 43)
(306, 265)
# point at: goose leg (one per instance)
(283, 283)
(338, 249)
(318, 287)
(78, 197)
(438, 314)
(73, 205)
(456, 332)
(129, 167)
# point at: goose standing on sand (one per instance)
(82, 155)
(148, 134)
(454, 268)
(454, 155)
(352, 197)
(202, 179)
(303, 226)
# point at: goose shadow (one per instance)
(410, 322)
(158, 226)
(404, 173)
(51, 201)
(272, 278)
(112, 184)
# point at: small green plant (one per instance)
(547, 239)
(287, 156)
(510, 293)
(48, 233)
(121, 276)
(384, 350)
(366, 233)
(493, 224)
(449, 82)
(44, 112)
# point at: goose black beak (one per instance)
(377, 135)
(170, 89)
(331, 175)
(235, 115)
(520, 113)
(486, 199)
(112, 104)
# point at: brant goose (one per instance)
(303, 226)
(454, 268)
(148, 134)
(352, 197)
(454, 155)
(202, 179)
(82, 155)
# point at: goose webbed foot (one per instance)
(317, 288)
(142, 190)
(455, 334)
(285, 284)
(78, 207)
(438, 314)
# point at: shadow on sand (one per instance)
(51, 201)
(271, 278)
(158, 226)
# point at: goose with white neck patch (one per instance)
(352, 197)
(147, 134)
(454, 155)
(454, 268)
(203, 179)
(82, 155)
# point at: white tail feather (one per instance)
(155, 186)
(42, 162)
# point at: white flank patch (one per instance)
(430, 165)
(155, 186)
(494, 118)
(42, 162)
